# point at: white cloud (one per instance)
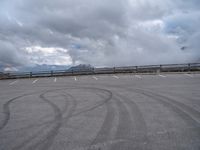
(48, 55)
(152, 25)
(100, 32)
(10, 69)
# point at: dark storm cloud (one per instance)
(99, 32)
(9, 54)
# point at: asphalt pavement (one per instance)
(101, 112)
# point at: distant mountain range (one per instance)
(81, 67)
(35, 68)
(38, 68)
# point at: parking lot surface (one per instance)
(101, 112)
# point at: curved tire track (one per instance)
(99, 104)
(6, 109)
(103, 134)
(183, 111)
(188, 136)
(66, 107)
(46, 143)
(139, 135)
(58, 118)
(109, 97)
(124, 128)
(132, 127)
(183, 106)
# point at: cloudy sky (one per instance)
(99, 32)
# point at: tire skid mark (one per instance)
(26, 142)
(103, 134)
(138, 124)
(50, 139)
(57, 112)
(72, 109)
(63, 110)
(124, 128)
(78, 113)
(6, 109)
(57, 122)
(47, 122)
(132, 127)
(46, 143)
(110, 95)
(66, 106)
(191, 122)
(137, 116)
(187, 98)
(179, 110)
(124, 134)
(99, 104)
(185, 107)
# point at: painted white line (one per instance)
(116, 77)
(189, 75)
(95, 78)
(34, 81)
(75, 78)
(13, 82)
(162, 76)
(55, 79)
(137, 76)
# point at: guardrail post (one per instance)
(93, 71)
(114, 69)
(31, 74)
(189, 67)
(160, 68)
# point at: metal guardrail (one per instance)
(191, 67)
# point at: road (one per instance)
(102, 112)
